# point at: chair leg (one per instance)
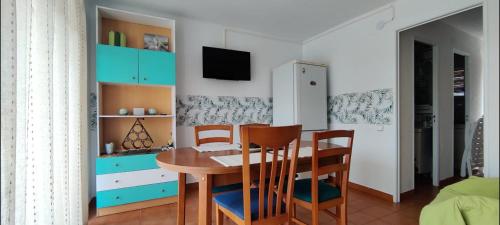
(291, 216)
(342, 214)
(219, 216)
(338, 214)
(315, 217)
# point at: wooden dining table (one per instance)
(210, 173)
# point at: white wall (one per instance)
(266, 53)
(352, 54)
(361, 58)
(492, 100)
(446, 39)
(92, 141)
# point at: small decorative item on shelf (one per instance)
(168, 146)
(123, 111)
(138, 111)
(117, 39)
(152, 111)
(170, 143)
(155, 42)
(110, 147)
(137, 138)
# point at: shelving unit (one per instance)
(114, 128)
(133, 77)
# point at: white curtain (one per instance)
(43, 122)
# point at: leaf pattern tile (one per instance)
(195, 110)
(371, 107)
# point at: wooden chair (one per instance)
(224, 127)
(251, 125)
(263, 205)
(318, 195)
(199, 141)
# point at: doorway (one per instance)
(424, 113)
(439, 91)
(460, 117)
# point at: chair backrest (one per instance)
(223, 127)
(251, 125)
(274, 138)
(341, 168)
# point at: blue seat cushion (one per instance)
(229, 187)
(233, 201)
(325, 191)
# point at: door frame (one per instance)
(397, 34)
(468, 123)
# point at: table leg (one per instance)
(205, 200)
(181, 201)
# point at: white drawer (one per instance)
(134, 178)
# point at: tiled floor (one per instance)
(363, 209)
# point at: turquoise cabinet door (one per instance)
(156, 67)
(117, 64)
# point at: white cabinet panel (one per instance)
(134, 178)
(312, 103)
(300, 95)
(283, 96)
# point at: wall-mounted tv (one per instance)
(226, 64)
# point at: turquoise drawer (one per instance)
(135, 194)
(120, 164)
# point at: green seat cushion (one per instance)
(480, 186)
(229, 187)
(471, 201)
(325, 191)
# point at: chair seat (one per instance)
(229, 187)
(325, 191)
(233, 201)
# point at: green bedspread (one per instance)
(470, 202)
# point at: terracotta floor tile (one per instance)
(161, 215)
(378, 211)
(363, 209)
(413, 212)
(125, 218)
(360, 205)
(360, 218)
(399, 219)
(355, 207)
(376, 222)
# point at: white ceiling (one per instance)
(470, 21)
(294, 20)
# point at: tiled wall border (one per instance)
(370, 107)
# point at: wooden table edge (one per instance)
(198, 171)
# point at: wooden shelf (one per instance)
(134, 116)
(120, 152)
(134, 32)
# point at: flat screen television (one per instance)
(225, 64)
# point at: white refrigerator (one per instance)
(300, 95)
